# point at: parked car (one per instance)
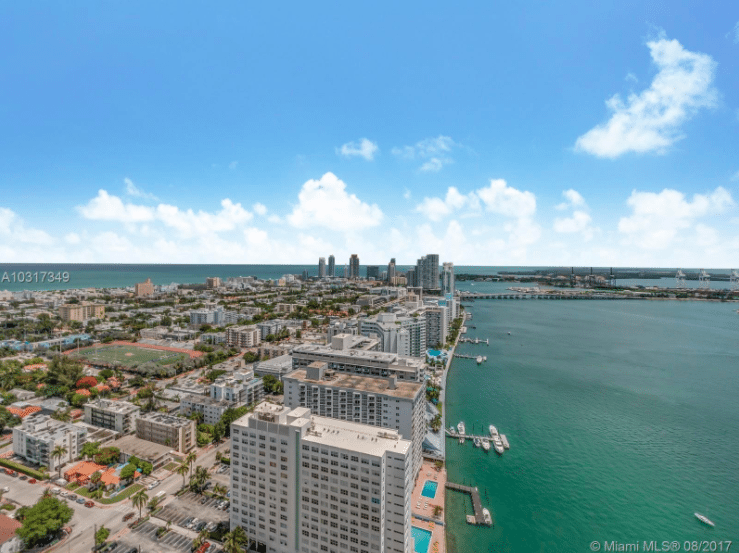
(89, 504)
(192, 523)
(200, 526)
(55, 491)
(153, 485)
(81, 500)
(72, 496)
(65, 494)
(128, 516)
(32, 481)
(23, 477)
(6, 489)
(187, 521)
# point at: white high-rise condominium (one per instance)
(365, 399)
(321, 267)
(310, 484)
(448, 278)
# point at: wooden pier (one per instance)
(474, 493)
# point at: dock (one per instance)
(475, 341)
(474, 493)
(457, 435)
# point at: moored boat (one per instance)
(505, 441)
(486, 444)
(486, 516)
(477, 442)
(704, 519)
(498, 445)
(460, 428)
(479, 359)
(493, 431)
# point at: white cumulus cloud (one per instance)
(326, 203)
(651, 120)
(259, 208)
(435, 152)
(105, 207)
(579, 221)
(363, 148)
(657, 218)
(136, 192)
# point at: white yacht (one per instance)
(498, 445)
(505, 441)
(479, 359)
(493, 431)
(486, 516)
(477, 442)
(486, 444)
(460, 428)
(704, 519)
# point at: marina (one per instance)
(474, 341)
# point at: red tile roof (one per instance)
(8, 526)
(22, 413)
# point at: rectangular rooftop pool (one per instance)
(429, 489)
(421, 539)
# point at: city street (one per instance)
(85, 520)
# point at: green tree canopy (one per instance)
(42, 521)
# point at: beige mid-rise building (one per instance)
(81, 311)
(145, 288)
(174, 432)
(246, 336)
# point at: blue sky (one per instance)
(588, 133)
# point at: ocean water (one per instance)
(622, 417)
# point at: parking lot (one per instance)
(222, 475)
(189, 505)
(144, 537)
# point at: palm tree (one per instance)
(200, 540)
(154, 503)
(59, 452)
(199, 479)
(139, 501)
(233, 541)
(190, 459)
(183, 471)
(218, 489)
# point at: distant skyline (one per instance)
(576, 134)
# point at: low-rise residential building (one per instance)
(240, 387)
(37, 437)
(276, 366)
(363, 399)
(113, 415)
(246, 336)
(269, 327)
(360, 474)
(174, 432)
(211, 409)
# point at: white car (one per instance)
(153, 485)
(56, 491)
(6, 489)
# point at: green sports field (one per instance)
(129, 356)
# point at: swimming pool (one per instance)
(429, 489)
(433, 353)
(421, 539)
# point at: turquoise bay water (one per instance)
(622, 417)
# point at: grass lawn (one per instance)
(171, 466)
(129, 356)
(125, 494)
